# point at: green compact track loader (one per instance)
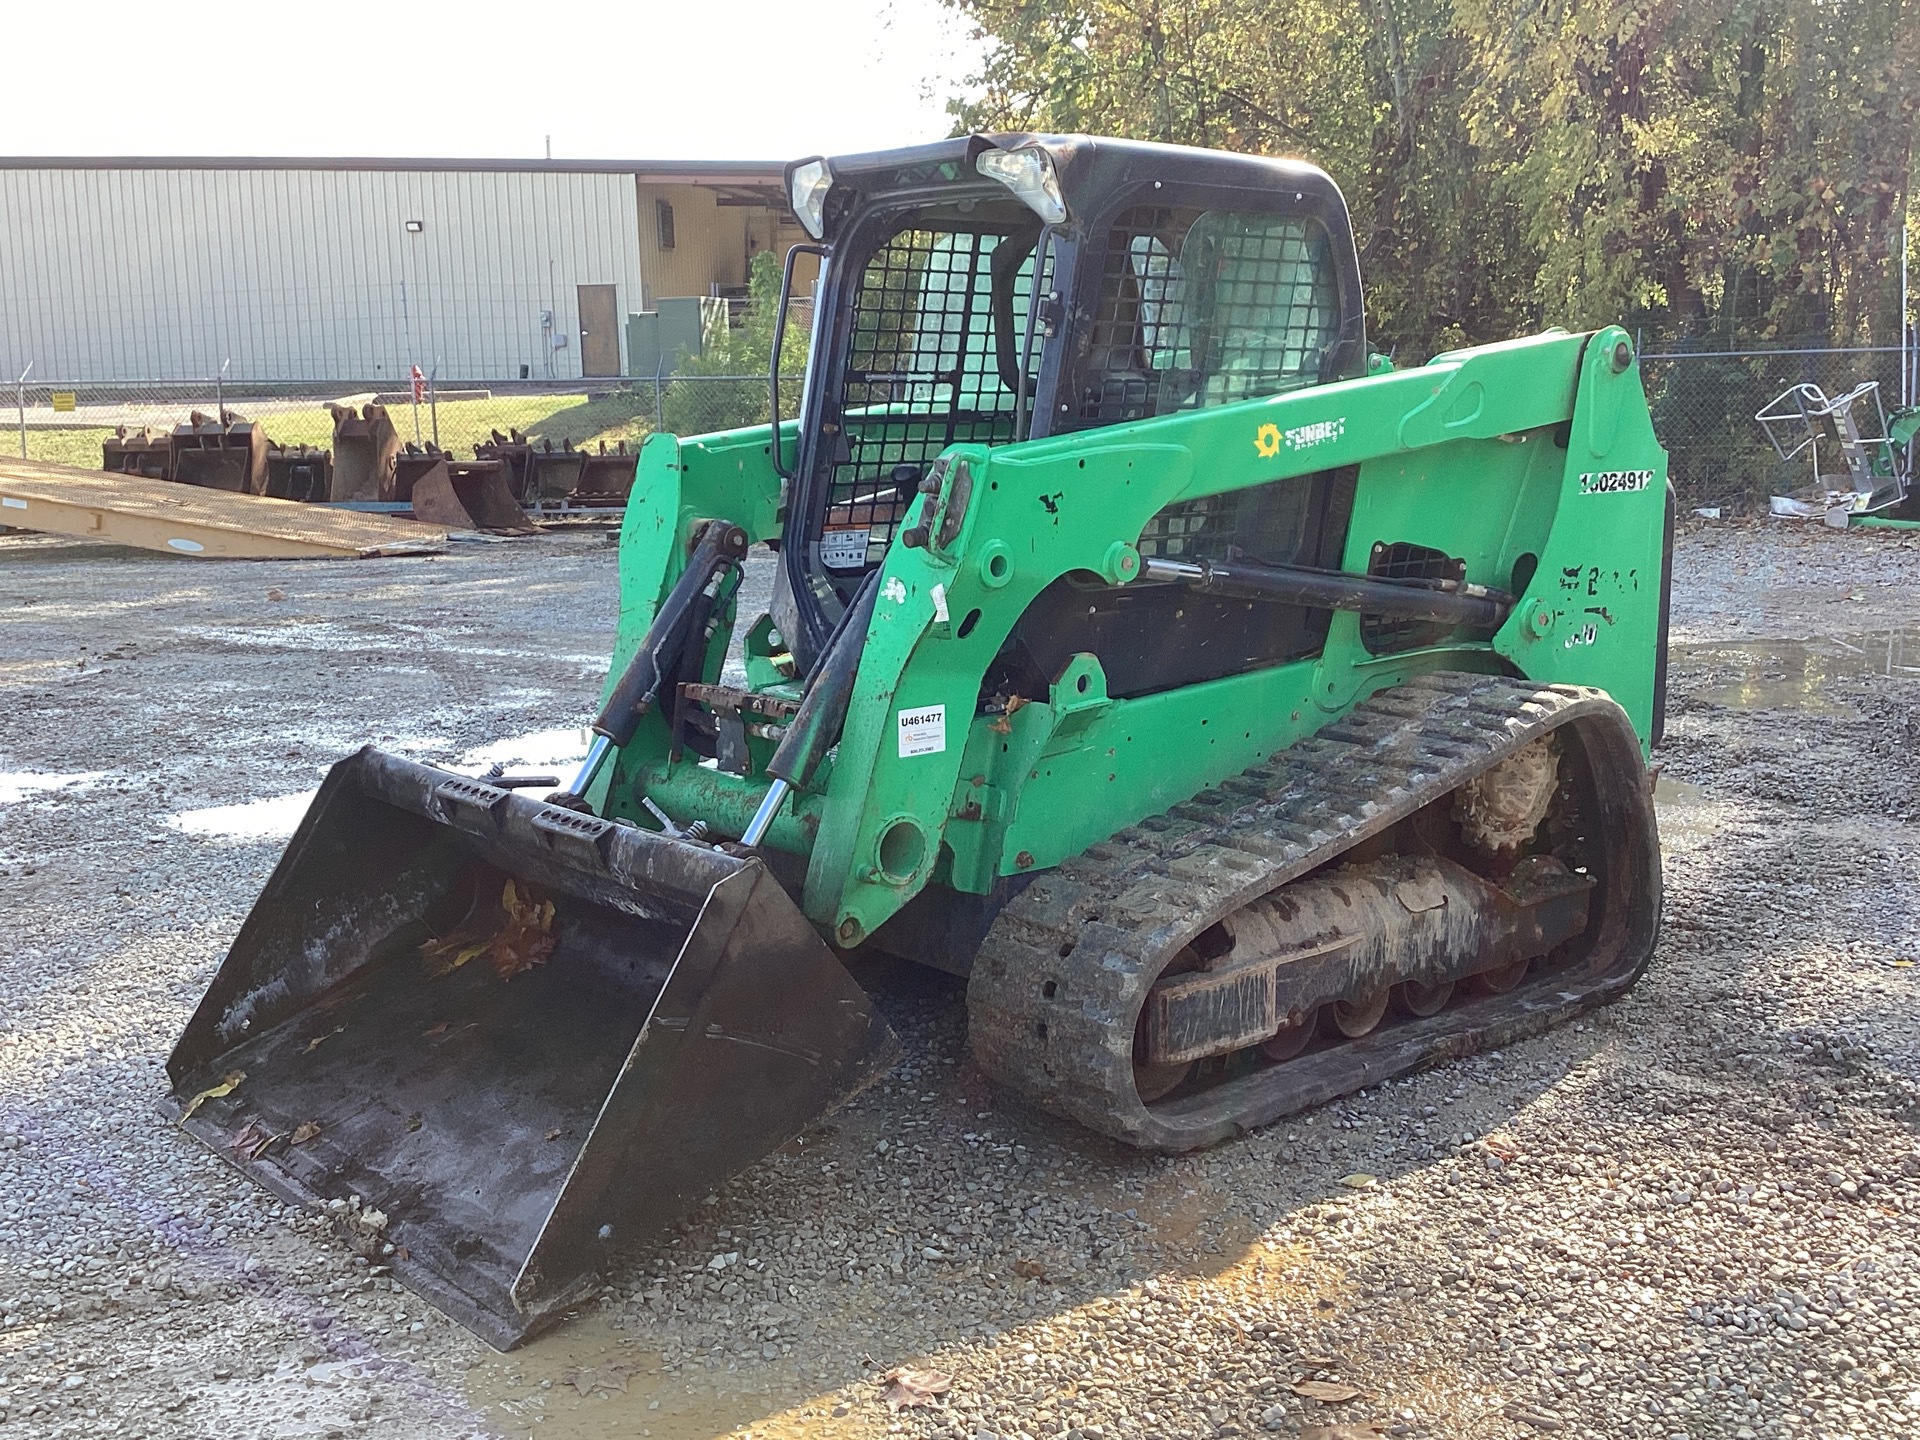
(1247, 720)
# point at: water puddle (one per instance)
(536, 750)
(590, 1380)
(1689, 816)
(275, 818)
(1793, 674)
(16, 785)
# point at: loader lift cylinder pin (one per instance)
(815, 727)
(718, 549)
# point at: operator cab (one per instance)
(1169, 279)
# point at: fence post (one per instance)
(659, 404)
(20, 398)
(1909, 332)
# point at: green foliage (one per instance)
(697, 403)
(1739, 168)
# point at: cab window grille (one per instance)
(1402, 560)
(1199, 308)
(923, 372)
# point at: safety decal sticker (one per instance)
(1615, 482)
(844, 549)
(923, 731)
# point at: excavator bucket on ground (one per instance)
(496, 1038)
(299, 472)
(463, 495)
(221, 452)
(606, 476)
(365, 445)
(143, 452)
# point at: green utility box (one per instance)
(658, 339)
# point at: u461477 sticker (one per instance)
(1615, 482)
(923, 731)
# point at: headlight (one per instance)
(807, 189)
(1028, 173)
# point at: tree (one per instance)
(1739, 166)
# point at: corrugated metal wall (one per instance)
(709, 242)
(306, 274)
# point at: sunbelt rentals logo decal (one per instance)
(1269, 439)
(1615, 482)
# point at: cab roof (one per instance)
(1091, 170)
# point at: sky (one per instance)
(692, 79)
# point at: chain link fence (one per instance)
(1704, 402)
(69, 423)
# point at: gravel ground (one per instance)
(1692, 1215)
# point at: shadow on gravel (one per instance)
(935, 1214)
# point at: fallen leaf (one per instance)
(553, 1134)
(303, 1132)
(213, 1092)
(253, 1141)
(519, 938)
(1359, 1180)
(276, 593)
(523, 942)
(1029, 1269)
(1503, 1146)
(315, 1043)
(439, 1029)
(913, 1387)
(446, 956)
(1327, 1392)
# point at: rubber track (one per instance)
(1058, 984)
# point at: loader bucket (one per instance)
(467, 496)
(503, 1129)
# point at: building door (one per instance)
(599, 330)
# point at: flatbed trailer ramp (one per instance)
(193, 520)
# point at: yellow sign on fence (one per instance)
(63, 400)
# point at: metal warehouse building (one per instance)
(289, 270)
